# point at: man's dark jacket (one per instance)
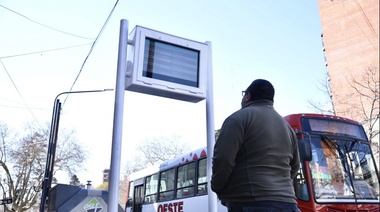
(255, 156)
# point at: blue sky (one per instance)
(275, 40)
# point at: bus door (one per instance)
(138, 198)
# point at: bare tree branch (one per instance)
(366, 89)
(327, 106)
(158, 150)
(359, 100)
(24, 163)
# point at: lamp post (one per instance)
(52, 145)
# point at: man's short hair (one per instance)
(261, 89)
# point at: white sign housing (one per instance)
(165, 65)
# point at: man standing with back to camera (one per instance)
(256, 156)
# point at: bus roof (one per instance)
(293, 117)
(183, 159)
(144, 172)
(188, 157)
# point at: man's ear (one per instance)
(247, 97)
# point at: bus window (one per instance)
(341, 170)
(167, 185)
(138, 198)
(301, 185)
(326, 172)
(365, 183)
(202, 177)
(130, 194)
(185, 180)
(151, 188)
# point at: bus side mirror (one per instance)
(304, 147)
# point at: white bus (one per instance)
(178, 185)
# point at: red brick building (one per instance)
(350, 33)
(350, 36)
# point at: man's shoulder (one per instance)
(239, 113)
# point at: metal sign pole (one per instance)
(118, 118)
(212, 198)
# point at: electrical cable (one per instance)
(19, 107)
(18, 91)
(91, 49)
(43, 51)
(45, 25)
(357, 24)
(366, 19)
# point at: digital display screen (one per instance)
(171, 63)
(333, 127)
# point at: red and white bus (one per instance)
(338, 173)
(338, 170)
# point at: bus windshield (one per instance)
(343, 169)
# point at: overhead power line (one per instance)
(36, 22)
(43, 51)
(366, 19)
(92, 48)
(18, 91)
(20, 107)
(359, 25)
